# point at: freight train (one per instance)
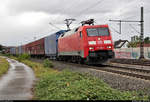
(90, 44)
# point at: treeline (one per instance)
(137, 42)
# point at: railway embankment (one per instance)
(116, 81)
(67, 85)
(4, 66)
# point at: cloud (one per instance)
(22, 20)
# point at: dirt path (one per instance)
(17, 83)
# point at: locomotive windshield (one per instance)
(97, 32)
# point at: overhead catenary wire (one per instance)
(134, 29)
(85, 10)
(54, 26)
(130, 4)
(133, 16)
(62, 11)
(114, 29)
(120, 20)
(90, 7)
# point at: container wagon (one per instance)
(51, 43)
(13, 50)
(35, 48)
(20, 50)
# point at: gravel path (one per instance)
(17, 83)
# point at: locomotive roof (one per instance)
(76, 29)
(71, 32)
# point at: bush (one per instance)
(8, 55)
(47, 63)
(23, 57)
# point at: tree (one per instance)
(137, 42)
(1, 47)
(134, 43)
(147, 40)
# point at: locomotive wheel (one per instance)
(80, 61)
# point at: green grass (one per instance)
(39, 69)
(48, 63)
(23, 57)
(4, 65)
(68, 85)
(74, 86)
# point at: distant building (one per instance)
(121, 44)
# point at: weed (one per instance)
(47, 63)
(23, 57)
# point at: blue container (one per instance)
(51, 43)
(20, 50)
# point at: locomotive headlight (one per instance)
(91, 48)
(109, 47)
(92, 42)
(107, 41)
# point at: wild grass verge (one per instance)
(4, 66)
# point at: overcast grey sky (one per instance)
(22, 20)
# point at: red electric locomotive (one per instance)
(91, 44)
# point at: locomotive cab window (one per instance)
(103, 31)
(97, 32)
(92, 32)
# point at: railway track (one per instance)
(131, 61)
(142, 72)
(138, 73)
(132, 71)
(131, 68)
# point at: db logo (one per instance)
(100, 42)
